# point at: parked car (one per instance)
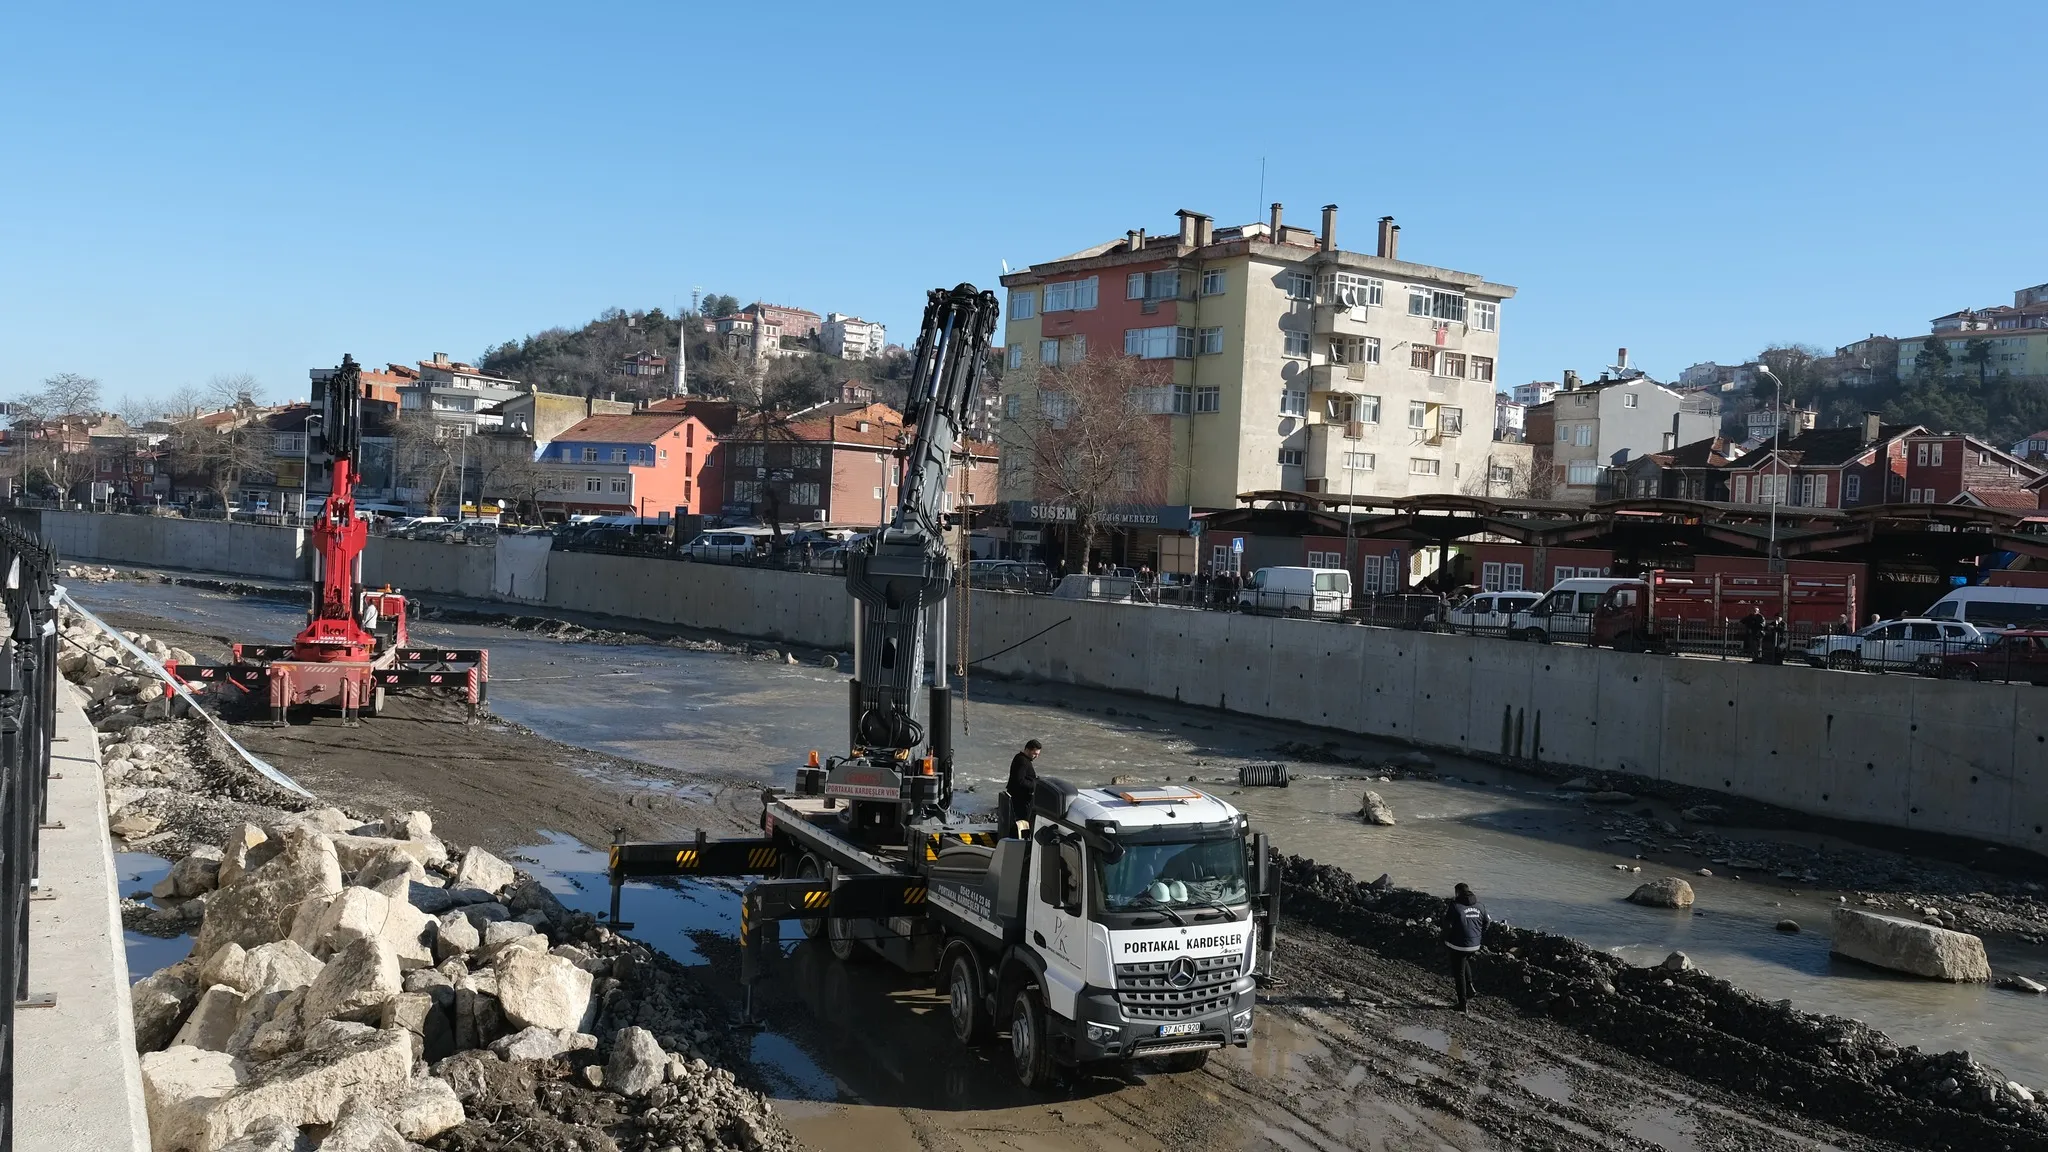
(724, 546)
(829, 560)
(2016, 655)
(1295, 591)
(1565, 612)
(1008, 575)
(1896, 644)
(1487, 611)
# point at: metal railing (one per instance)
(28, 721)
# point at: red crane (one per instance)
(355, 645)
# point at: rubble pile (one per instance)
(1831, 1068)
(356, 984)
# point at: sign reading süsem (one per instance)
(1165, 517)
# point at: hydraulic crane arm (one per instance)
(334, 633)
(904, 568)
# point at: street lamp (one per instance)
(306, 460)
(1777, 454)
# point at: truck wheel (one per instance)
(1030, 1048)
(1186, 1061)
(807, 869)
(964, 998)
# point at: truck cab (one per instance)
(1124, 926)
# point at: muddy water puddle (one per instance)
(137, 872)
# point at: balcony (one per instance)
(1334, 319)
(1337, 377)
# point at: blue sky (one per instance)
(198, 189)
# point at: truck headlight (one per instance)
(1102, 1033)
(1242, 1021)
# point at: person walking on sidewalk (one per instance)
(1464, 927)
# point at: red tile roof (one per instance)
(2012, 501)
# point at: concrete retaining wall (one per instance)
(1936, 756)
(204, 545)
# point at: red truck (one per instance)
(1654, 613)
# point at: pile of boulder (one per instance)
(361, 986)
(121, 691)
(357, 986)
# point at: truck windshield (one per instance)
(1173, 875)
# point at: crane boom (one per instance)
(901, 755)
(334, 631)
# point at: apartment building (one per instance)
(1284, 361)
(850, 337)
(835, 463)
(646, 464)
(539, 417)
(455, 394)
(1688, 472)
(1534, 392)
(1600, 425)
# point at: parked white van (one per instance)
(1565, 612)
(1296, 592)
(1994, 608)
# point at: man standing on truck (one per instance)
(1023, 780)
(1464, 927)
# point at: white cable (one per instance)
(171, 683)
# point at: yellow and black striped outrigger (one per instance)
(833, 896)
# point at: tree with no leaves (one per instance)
(1089, 442)
(427, 455)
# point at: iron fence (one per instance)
(28, 715)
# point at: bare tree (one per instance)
(515, 478)
(427, 457)
(220, 451)
(65, 394)
(1094, 440)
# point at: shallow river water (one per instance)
(1532, 853)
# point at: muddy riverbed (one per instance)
(681, 727)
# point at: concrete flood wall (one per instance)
(1934, 756)
(207, 545)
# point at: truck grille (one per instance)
(1146, 991)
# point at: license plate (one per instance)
(1179, 1029)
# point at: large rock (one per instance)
(544, 991)
(189, 877)
(479, 1016)
(356, 852)
(538, 1044)
(354, 985)
(276, 967)
(423, 1109)
(311, 1087)
(483, 871)
(246, 848)
(261, 906)
(1669, 892)
(414, 825)
(1376, 810)
(326, 927)
(497, 935)
(159, 1004)
(637, 1065)
(270, 1026)
(533, 896)
(422, 1014)
(332, 1032)
(391, 864)
(269, 1134)
(1909, 946)
(456, 936)
(213, 1020)
(182, 1090)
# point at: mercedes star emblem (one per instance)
(1182, 973)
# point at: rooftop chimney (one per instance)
(1131, 240)
(1187, 227)
(1273, 227)
(1329, 227)
(1571, 380)
(1621, 359)
(1873, 425)
(1394, 243)
(1386, 248)
(1205, 231)
(1141, 239)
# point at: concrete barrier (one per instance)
(1934, 756)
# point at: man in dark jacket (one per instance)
(1464, 927)
(1023, 780)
